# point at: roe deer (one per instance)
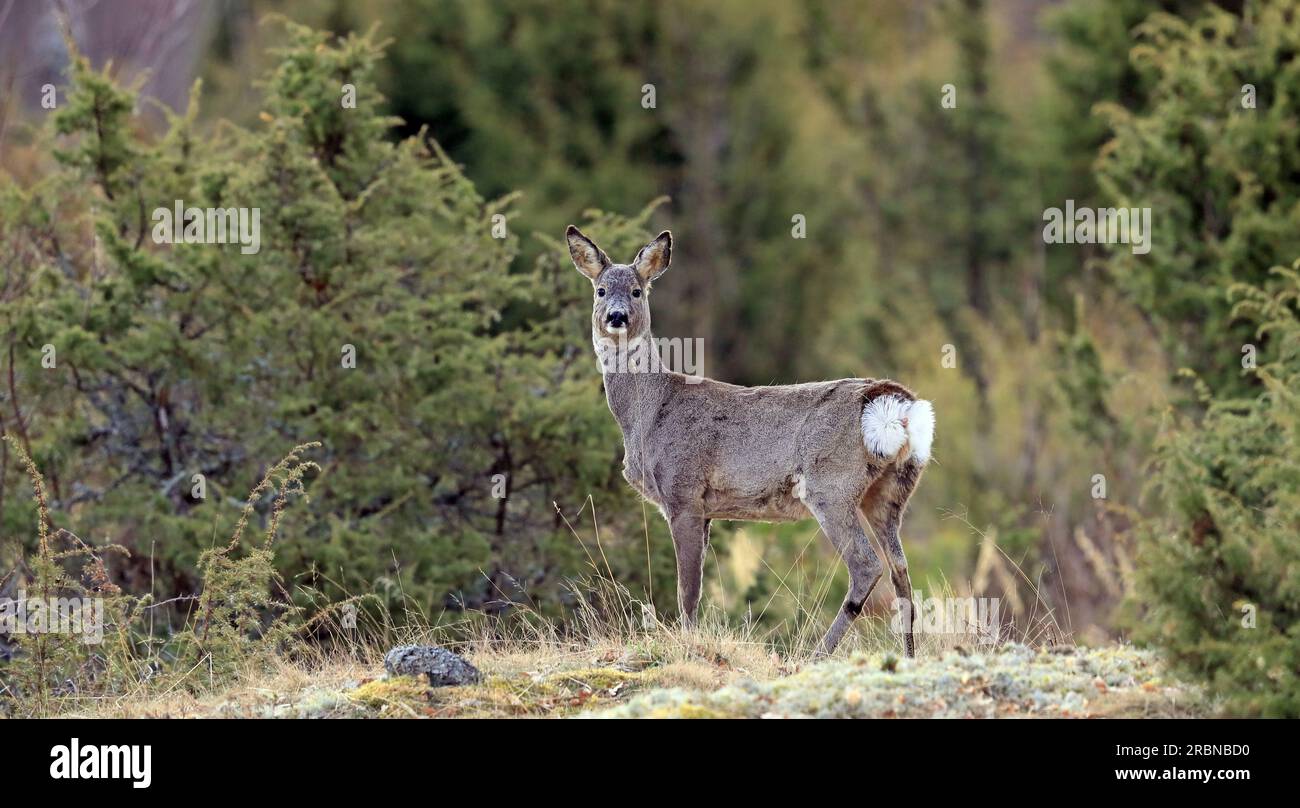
(702, 449)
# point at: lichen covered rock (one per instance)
(442, 667)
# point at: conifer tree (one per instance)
(454, 398)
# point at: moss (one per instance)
(558, 693)
(691, 711)
(499, 695)
(398, 692)
(597, 678)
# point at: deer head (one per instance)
(620, 292)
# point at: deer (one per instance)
(845, 452)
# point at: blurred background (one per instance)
(1052, 367)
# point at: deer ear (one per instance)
(587, 257)
(654, 257)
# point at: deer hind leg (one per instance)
(690, 539)
(883, 506)
(840, 524)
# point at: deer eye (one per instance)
(636, 293)
(600, 292)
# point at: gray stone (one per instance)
(443, 668)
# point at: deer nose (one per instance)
(616, 318)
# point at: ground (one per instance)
(677, 677)
(1013, 681)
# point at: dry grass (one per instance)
(710, 671)
(613, 652)
(611, 648)
(522, 676)
(610, 653)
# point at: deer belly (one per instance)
(778, 504)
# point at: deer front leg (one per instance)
(690, 539)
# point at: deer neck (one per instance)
(633, 381)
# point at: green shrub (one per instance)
(57, 660)
(1211, 153)
(1221, 576)
(197, 359)
(107, 646)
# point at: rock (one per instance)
(443, 668)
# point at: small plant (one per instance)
(244, 609)
(244, 615)
(53, 660)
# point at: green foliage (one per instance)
(547, 98)
(473, 368)
(243, 608)
(1221, 575)
(197, 359)
(104, 643)
(68, 616)
(1216, 174)
(1214, 576)
(1092, 67)
(921, 226)
(1086, 385)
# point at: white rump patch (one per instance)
(920, 429)
(891, 422)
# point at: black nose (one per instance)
(617, 319)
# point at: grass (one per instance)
(611, 657)
(715, 670)
(532, 668)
